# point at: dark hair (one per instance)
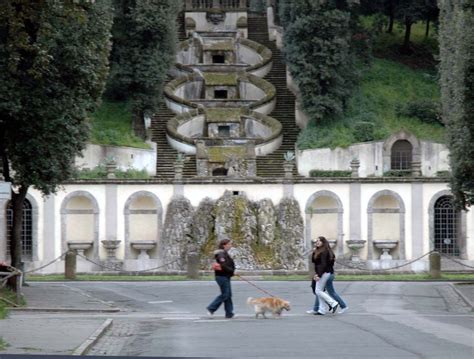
(324, 247)
(223, 242)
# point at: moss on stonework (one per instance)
(264, 256)
(223, 153)
(220, 79)
(237, 225)
(220, 45)
(223, 115)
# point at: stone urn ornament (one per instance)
(111, 246)
(385, 245)
(79, 246)
(355, 245)
(143, 247)
(289, 163)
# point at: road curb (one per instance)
(461, 294)
(89, 342)
(63, 310)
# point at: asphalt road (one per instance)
(385, 319)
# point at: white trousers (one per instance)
(322, 295)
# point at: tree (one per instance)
(53, 66)
(457, 93)
(319, 54)
(144, 46)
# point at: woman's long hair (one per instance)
(222, 243)
(323, 248)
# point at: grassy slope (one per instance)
(385, 85)
(112, 125)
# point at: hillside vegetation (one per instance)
(397, 91)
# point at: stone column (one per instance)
(417, 216)
(355, 211)
(111, 211)
(5, 196)
(49, 224)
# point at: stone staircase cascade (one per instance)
(270, 165)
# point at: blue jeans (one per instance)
(332, 292)
(225, 297)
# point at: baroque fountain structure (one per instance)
(222, 103)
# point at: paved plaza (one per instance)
(158, 319)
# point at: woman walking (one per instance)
(323, 259)
(224, 268)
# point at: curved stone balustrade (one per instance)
(184, 129)
(188, 92)
(235, 54)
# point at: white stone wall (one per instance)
(415, 214)
(125, 157)
(370, 154)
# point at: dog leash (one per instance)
(256, 286)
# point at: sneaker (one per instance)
(343, 310)
(230, 316)
(318, 313)
(333, 309)
(209, 313)
(311, 311)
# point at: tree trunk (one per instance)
(427, 29)
(406, 42)
(391, 20)
(17, 207)
(139, 125)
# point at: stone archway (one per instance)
(84, 209)
(376, 208)
(139, 208)
(401, 135)
(325, 208)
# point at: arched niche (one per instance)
(324, 216)
(386, 221)
(401, 135)
(80, 221)
(143, 217)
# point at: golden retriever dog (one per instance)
(268, 304)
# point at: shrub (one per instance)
(323, 173)
(443, 174)
(364, 131)
(101, 172)
(397, 173)
(426, 110)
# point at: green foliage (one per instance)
(457, 84)
(443, 174)
(383, 87)
(101, 172)
(364, 131)
(324, 173)
(144, 41)
(397, 173)
(53, 66)
(426, 110)
(319, 55)
(111, 125)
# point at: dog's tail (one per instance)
(249, 300)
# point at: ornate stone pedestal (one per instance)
(143, 247)
(385, 245)
(355, 245)
(79, 246)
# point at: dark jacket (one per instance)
(226, 262)
(323, 263)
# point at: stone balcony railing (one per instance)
(199, 5)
